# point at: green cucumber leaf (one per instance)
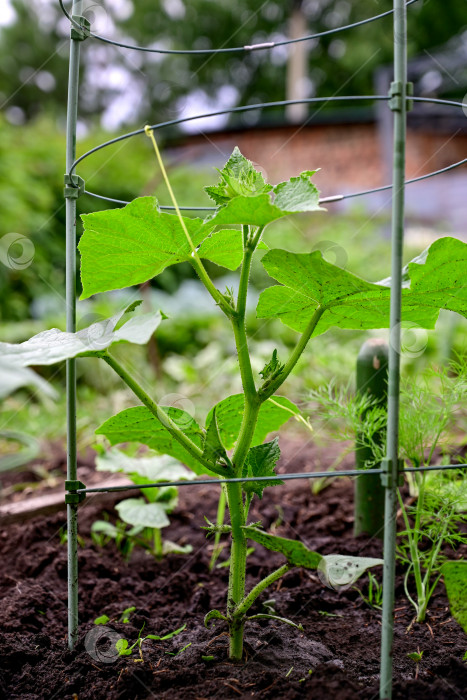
(53, 346)
(335, 570)
(261, 461)
(297, 194)
(338, 570)
(455, 580)
(123, 247)
(436, 281)
(13, 377)
(137, 511)
(229, 413)
(259, 210)
(295, 552)
(225, 248)
(238, 177)
(213, 449)
(150, 469)
(138, 424)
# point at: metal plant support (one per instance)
(390, 472)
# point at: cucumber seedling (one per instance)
(129, 246)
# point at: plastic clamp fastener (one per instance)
(386, 476)
(409, 103)
(72, 497)
(395, 95)
(74, 186)
(83, 31)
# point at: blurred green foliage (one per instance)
(32, 205)
(34, 53)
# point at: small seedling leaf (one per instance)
(272, 415)
(151, 469)
(295, 552)
(102, 620)
(137, 511)
(53, 346)
(125, 616)
(342, 570)
(164, 637)
(455, 580)
(436, 281)
(105, 528)
(213, 615)
(122, 647)
(169, 547)
(261, 461)
(284, 620)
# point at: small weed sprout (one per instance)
(416, 656)
(374, 596)
(146, 515)
(124, 648)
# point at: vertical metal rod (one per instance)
(72, 509)
(392, 454)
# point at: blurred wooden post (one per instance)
(297, 68)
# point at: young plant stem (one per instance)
(219, 298)
(248, 601)
(238, 320)
(234, 490)
(158, 551)
(237, 519)
(161, 416)
(274, 385)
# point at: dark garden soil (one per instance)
(336, 657)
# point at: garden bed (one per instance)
(340, 643)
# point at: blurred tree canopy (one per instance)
(122, 88)
(128, 87)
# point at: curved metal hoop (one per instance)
(236, 49)
(328, 200)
